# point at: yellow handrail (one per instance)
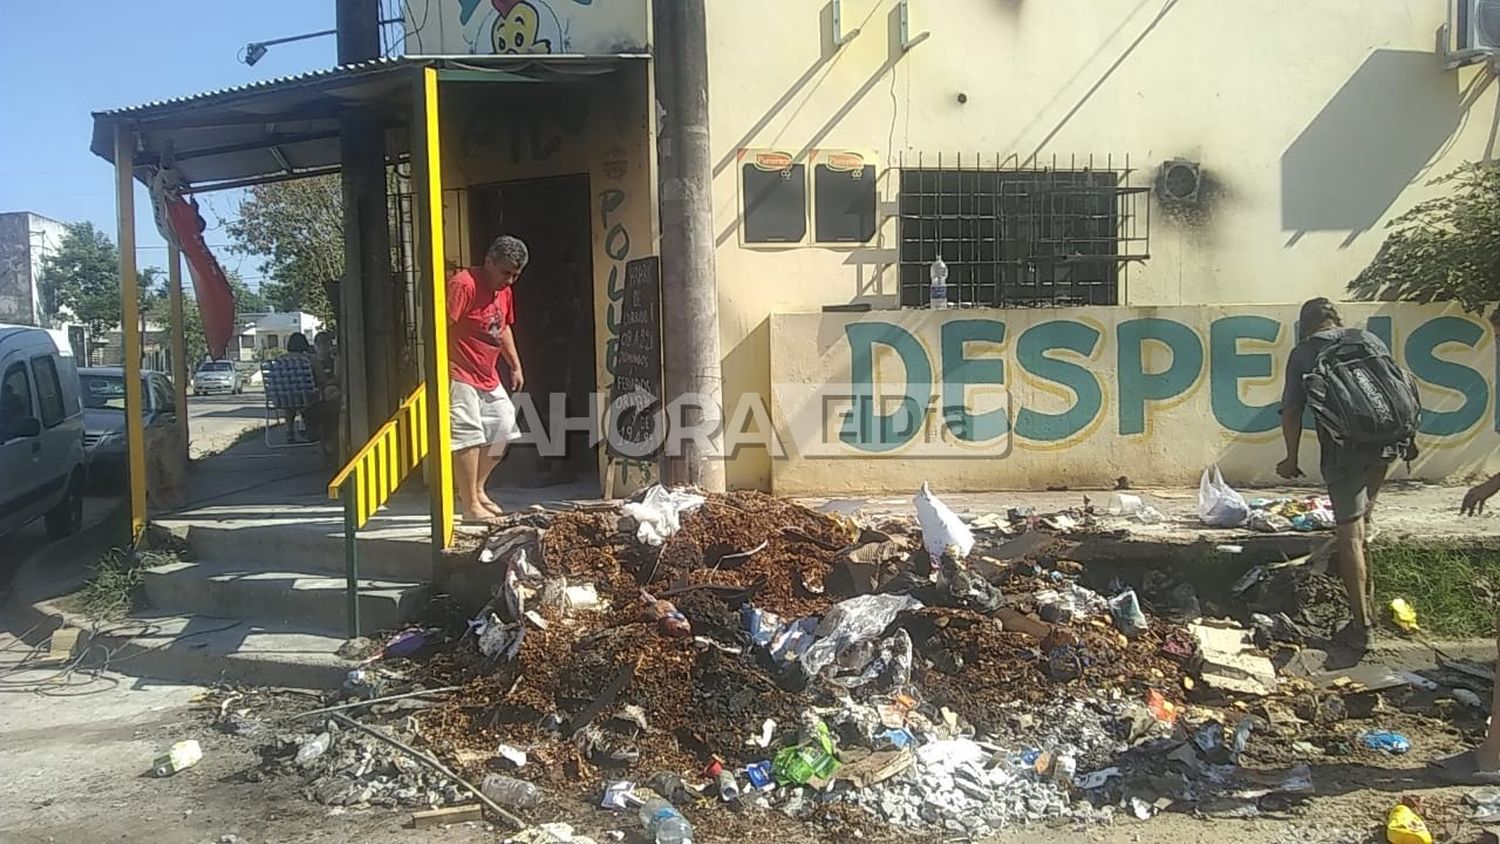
(392, 452)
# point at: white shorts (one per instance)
(478, 418)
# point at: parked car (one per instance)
(42, 456)
(104, 413)
(218, 376)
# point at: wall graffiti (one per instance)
(1133, 389)
(1190, 384)
(617, 246)
(528, 27)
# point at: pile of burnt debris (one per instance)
(739, 653)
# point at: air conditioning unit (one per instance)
(1476, 28)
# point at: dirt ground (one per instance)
(74, 772)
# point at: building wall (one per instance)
(25, 239)
(463, 27)
(493, 133)
(1314, 127)
(1016, 399)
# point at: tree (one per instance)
(1447, 248)
(83, 276)
(299, 225)
(246, 300)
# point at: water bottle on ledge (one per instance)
(938, 294)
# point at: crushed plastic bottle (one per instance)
(664, 824)
(729, 788)
(510, 792)
(1386, 740)
(183, 755)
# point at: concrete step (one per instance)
(280, 597)
(397, 554)
(203, 649)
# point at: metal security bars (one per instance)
(1057, 233)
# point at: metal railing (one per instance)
(373, 475)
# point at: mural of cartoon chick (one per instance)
(520, 27)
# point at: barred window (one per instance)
(1018, 238)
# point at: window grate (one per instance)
(1013, 237)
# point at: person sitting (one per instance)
(323, 416)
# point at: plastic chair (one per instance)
(289, 385)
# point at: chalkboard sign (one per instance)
(635, 397)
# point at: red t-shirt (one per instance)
(476, 318)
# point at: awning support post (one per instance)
(180, 370)
(130, 327)
(427, 183)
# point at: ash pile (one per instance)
(739, 653)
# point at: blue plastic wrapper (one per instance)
(761, 625)
(759, 774)
(1393, 743)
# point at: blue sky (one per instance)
(62, 59)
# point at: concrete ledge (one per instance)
(291, 598)
(205, 650)
(310, 546)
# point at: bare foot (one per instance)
(487, 503)
(480, 516)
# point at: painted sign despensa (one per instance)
(1013, 399)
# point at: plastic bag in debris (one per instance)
(1077, 602)
(498, 640)
(659, 513)
(890, 660)
(1218, 504)
(942, 531)
(960, 587)
(852, 621)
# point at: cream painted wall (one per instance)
(1027, 398)
(497, 133)
(1316, 121)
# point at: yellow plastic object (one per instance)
(1406, 827)
(1405, 615)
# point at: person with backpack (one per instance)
(1366, 409)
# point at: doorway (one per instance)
(554, 301)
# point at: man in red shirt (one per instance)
(480, 315)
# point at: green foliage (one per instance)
(83, 276)
(1453, 589)
(1447, 248)
(299, 224)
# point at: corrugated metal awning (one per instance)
(288, 127)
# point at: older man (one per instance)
(481, 312)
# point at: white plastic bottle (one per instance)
(937, 296)
(664, 823)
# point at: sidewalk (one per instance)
(1407, 511)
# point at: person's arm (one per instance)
(512, 358)
(1293, 403)
(1475, 498)
(1291, 434)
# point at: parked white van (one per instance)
(42, 463)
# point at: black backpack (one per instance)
(1361, 397)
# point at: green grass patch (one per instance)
(1453, 589)
(115, 584)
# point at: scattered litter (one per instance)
(313, 748)
(942, 531)
(1218, 504)
(659, 513)
(510, 792)
(1405, 616)
(448, 815)
(1230, 662)
(514, 755)
(1467, 698)
(183, 755)
(617, 795)
(1404, 826)
(1126, 611)
(1387, 741)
